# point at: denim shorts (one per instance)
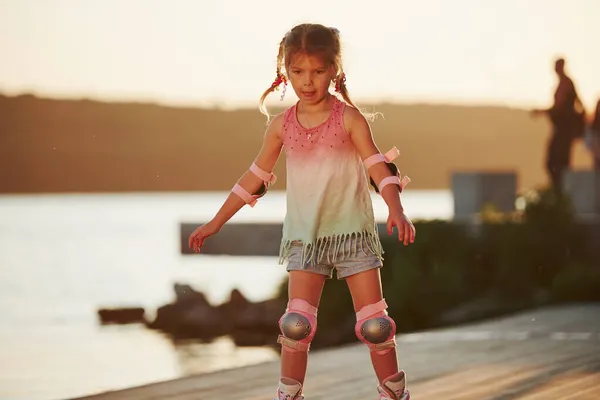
(353, 257)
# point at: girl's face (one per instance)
(310, 77)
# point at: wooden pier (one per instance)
(551, 353)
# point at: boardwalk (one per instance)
(552, 353)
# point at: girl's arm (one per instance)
(249, 181)
(242, 193)
(360, 133)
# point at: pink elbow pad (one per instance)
(379, 158)
(267, 178)
(393, 180)
(243, 193)
(390, 180)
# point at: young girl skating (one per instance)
(329, 224)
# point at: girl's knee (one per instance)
(375, 328)
(298, 326)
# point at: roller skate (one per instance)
(394, 388)
(289, 389)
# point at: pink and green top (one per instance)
(328, 198)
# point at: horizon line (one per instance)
(246, 105)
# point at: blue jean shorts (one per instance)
(351, 258)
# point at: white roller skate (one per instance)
(394, 388)
(289, 389)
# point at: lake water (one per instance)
(64, 256)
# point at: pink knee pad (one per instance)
(375, 328)
(298, 326)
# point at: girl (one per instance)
(329, 222)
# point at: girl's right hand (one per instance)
(197, 237)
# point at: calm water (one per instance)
(63, 256)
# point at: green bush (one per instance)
(575, 284)
(423, 279)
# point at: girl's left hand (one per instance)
(406, 229)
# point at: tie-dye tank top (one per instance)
(328, 198)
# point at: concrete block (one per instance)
(472, 190)
(242, 239)
(583, 186)
(248, 239)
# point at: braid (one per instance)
(279, 78)
(341, 88)
(280, 53)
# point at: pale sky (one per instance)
(199, 52)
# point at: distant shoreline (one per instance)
(253, 105)
(90, 146)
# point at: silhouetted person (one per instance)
(566, 116)
(593, 137)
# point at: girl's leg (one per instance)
(365, 288)
(307, 286)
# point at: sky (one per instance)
(222, 52)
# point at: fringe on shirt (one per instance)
(327, 248)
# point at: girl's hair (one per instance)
(310, 39)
